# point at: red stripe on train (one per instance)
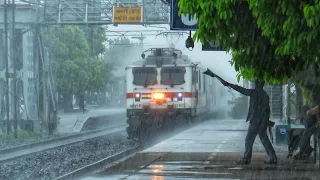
(168, 94)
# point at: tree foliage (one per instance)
(96, 37)
(292, 26)
(75, 69)
(269, 39)
(250, 30)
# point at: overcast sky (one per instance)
(216, 61)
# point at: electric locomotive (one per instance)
(164, 86)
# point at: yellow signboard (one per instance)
(123, 15)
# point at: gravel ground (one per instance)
(54, 163)
(93, 125)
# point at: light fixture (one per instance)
(158, 96)
(180, 95)
(137, 96)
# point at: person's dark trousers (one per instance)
(261, 130)
(305, 146)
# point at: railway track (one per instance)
(109, 161)
(76, 155)
(99, 165)
(13, 153)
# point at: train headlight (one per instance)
(180, 96)
(137, 96)
(158, 96)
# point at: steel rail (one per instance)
(77, 139)
(99, 165)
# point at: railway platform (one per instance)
(208, 151)
(73, 122)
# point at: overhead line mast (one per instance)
(11, 74)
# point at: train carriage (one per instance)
(165, 86)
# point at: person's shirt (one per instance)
(259, 108)
(309, 121)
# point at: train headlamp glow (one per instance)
(158, 96)
(180, 96)
(137, 96)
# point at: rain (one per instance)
(131, 89)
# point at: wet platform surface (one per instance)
(67, 121)
(208, 151)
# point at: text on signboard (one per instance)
(127, 15)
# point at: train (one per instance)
(165, 87)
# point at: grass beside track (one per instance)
(21, 136)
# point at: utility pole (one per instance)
(288, 110)
(299, 102)
(11, 99)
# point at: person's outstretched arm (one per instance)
(314, 111)
(242, 90)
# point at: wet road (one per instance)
(208, 151)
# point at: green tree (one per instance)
(74, 69)
(264, 36)
(233, 25)
(292, 26)
(96, 37)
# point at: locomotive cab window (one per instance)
(173, 75)
(143, 76)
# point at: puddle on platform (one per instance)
(173, 172)
(212, 166)
(157, 177)
(180, 162)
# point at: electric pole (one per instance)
(9, 51)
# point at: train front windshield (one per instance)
(143, 76)
(172, 75)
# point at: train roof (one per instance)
(163, 57)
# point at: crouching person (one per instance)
(311, 127)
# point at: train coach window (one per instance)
(172, 75)
(143, 76)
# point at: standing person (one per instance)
(258, 117)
